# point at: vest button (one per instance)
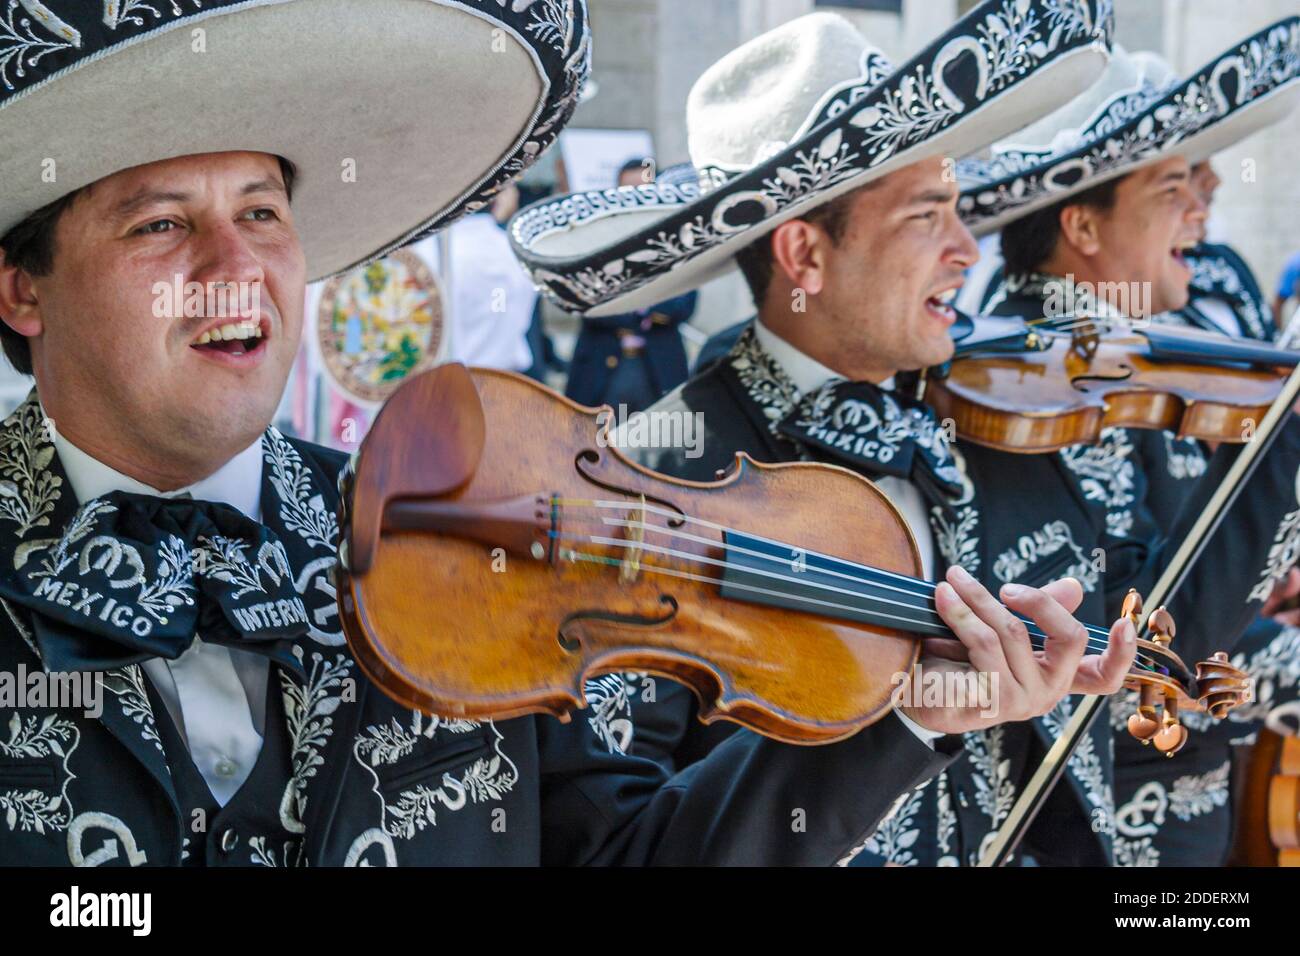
(611, 361)
(229, 840)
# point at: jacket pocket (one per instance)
(1049, 569)
(424, 764)
(25, 775)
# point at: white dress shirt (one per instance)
(492, 297)
(809, 374)
(216, 695)
(1221, 314)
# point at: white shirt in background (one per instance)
(492, 297)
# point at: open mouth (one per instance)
(1179, 252)
(234, 338)
(940, 305)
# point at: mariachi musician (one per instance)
(815, 378)
(154, 530)
(1134, 219)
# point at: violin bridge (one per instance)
(630, 566)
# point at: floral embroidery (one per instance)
(1184, 457)
(299, 510)
(19, 40)
(1106, 475)
(118, 12)
(1215, 276)
(955, 539)
(995, 792)
(262, 855)
(1195, 795)
(415, 808)
(127, 685)
(767, 383)
(1136, 852)
(28, 488)
(36, 810)
(309, 710)
(897, 833)
(1139, 820)
(1050, 540)
(1282, 556)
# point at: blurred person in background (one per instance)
(628, 361)
(1288, 288)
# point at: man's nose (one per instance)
(226, 256)
(1197, 208)
(965, 250)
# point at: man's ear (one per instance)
(799, 251)
(1081, 229)
(18, 306)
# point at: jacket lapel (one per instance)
(36, 503)
(324, 696)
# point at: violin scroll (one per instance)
(1165, 684)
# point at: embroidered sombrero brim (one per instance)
(399, 114)
(1239, 93)
(1000, 67)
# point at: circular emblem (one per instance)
(379, 323)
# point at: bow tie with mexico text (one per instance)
(136, 577)
(876, 432)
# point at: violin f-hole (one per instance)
(572, 644)
(1080, 382)
(589, 457)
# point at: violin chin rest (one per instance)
(426, 441)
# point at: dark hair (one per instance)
(30, 247)
(638, 166)
(756, 261)
(1029, 242)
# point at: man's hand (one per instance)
(1281, 604)
(994, 643)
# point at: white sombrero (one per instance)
(795, 118)
(399, 114)
(1140, 112)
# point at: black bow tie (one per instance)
(877, 432)
(135, 577)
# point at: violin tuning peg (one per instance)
(1143, 728)
(1132, 606)
(1172, 734)
(1143, 724)
(1171, 738)
(1160, 625)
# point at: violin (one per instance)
(497, 551)
(1039, 387)
(1268, 816)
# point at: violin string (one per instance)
(914, 586)
(1036, 638)
(926, 608)
(921, 589)
(930, 616)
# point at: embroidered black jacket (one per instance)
(1021, 519)
(347, 777)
